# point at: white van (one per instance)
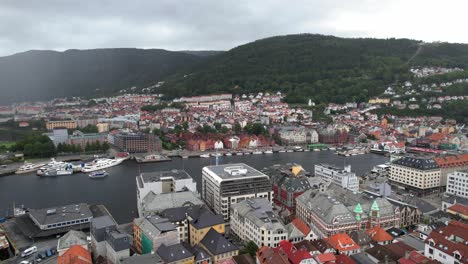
(29, 251)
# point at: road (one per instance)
(41, 247)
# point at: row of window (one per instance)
(74, 222)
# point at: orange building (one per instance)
(344, 244)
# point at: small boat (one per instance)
(65, 169)
(257, 152)
(185, 157)
(306, 150)
(316, 149)
(282, 151)
(289, 150)
(247, 153)
(268, 151)
(98, 174)
(332, 148)
(204, 155)
(228, 154)
(239, 153)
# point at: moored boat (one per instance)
(29, 167)
(98, 174)
(101, 163)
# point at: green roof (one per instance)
(358, 208)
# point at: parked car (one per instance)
(29, 251)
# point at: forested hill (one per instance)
(322, 68)
(36, 75)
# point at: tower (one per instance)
(358, 211)
(374, 214)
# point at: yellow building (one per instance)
(69, 124)
(102, 127)
(199, 227)
(378, 100)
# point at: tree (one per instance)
(250, 248)
(217, 126)
(237, 128)
(90, 129)
(185, 125)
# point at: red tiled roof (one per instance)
(267, 255)
(416, 258)
(295, 256)
(379, 234)
(452, 161)
(325, 257)
(75, 255)
(342, 242)
(440, 239)
(459, 208)
(344, 259)
(303, 227)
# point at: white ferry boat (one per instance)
(66, 169)
(101, 163)
(53, 164)
(29, 167)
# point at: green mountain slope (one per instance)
(323, 68)
(36, 75)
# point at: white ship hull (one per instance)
(99, 164)
(29, 168)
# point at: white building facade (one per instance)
(457, 183)
(341, 177)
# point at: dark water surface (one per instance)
(118, 191)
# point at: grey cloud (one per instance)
(169, 24)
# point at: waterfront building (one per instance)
(153, 203)
(82, 139)
(254, 220)
(338, 210)
(421, 175)
(137, 142)
(295, 135)
(448, 244)
(224, 185)
(153, 185)
(69, 124)
(341, 177)
(331, 135)
(149, 233)
(59, 136)
(75, 215)
(457, 183)
(449, 164)
(107, 241)
(288, 182)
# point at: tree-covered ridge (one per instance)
(324, 68)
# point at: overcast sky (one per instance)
(218, 24)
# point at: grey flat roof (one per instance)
(157, 175)
(52, 215)
(142, 259)
(223, 174)
(102, 222)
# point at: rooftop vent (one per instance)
(51, 211)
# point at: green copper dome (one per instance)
(358, 209)
(375, 206)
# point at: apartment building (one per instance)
(224, 185)
(149, 233)
(137, 142)
(69, 124)
(448, 244)
(162, 182)
(421, 175)
(457, 183)
(254, 220)
(449, 164)
(341, 177)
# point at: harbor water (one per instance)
(118, 190)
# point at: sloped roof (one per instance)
(379, 234)
(173, 253)
(75, 255)
(216, 243)
(417, 163)
(303, 227)
(72, 238)
(207, 219)
(342, 242)
(295, 255)
(459, 208)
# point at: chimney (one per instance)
(406, 254)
